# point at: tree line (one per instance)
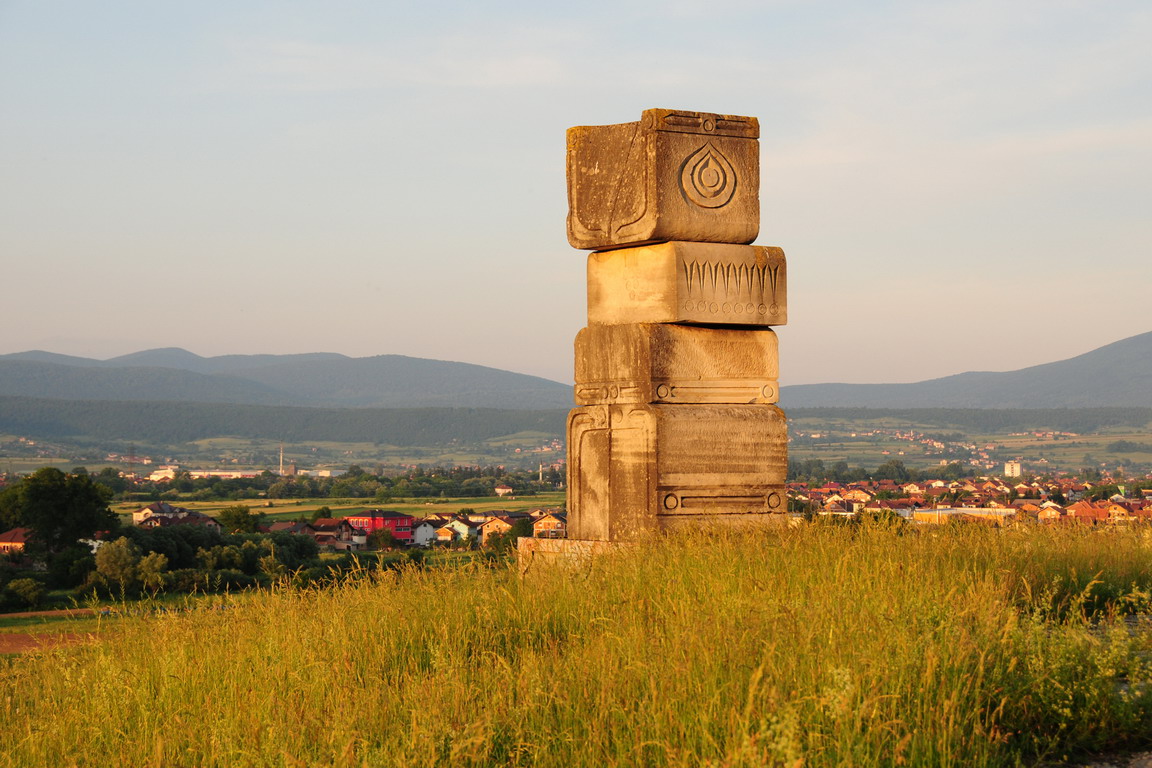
(179, 422)
(992, 421)
(356, 483)
(67, 513)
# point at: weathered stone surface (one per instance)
(705, 283)
(651, 363)
(638, 469)
(535, 554)
(674, 175)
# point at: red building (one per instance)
(374, 519)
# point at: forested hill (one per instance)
(1117, 375)
(166, 423)
(316, 380)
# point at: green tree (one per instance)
(60, 509)
(240, 519)
(151, 569)
(111, 479)
(955, 497)
(118, 562)
(381, 538)
(28, 591)
(71, 566)
(271, 566)
(505, 542)
(893, 469)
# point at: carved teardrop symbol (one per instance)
(707, 178)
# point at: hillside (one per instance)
(30, 378)
(315, 380)
(159, 422)
(1116, 375)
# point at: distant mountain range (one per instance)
(1118, 374)
(320, 380)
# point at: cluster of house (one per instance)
(352, 532)
(161, 514)
(987, 500)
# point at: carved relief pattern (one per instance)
(716, 392)
(711, 501)
(707, 178)
(727, 287)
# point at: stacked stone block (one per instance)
(676, 373)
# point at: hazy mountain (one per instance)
(40, 356)
(174, 357)
(29, 378)
(168, 423)
(316, 380)
(1118, 374)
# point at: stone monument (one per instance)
(676, 374)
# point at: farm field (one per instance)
(524, 449)
(869, 442)
(816, 646)
(290, 509)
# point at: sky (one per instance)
(957, 185)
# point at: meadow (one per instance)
(816, 646)
(291, 509)
(868, 441)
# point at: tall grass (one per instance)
(818, 647)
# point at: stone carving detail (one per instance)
(638, 469)
(689, 283)
(708, 179)
(677, 371)
(656, 180)
(679, 364)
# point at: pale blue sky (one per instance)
(958, 185)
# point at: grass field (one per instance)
(810, 647)
(290, 509)
(870, 442)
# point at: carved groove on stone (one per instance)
(725, 500)
(709, 392)
(708, 178)
(621, 182)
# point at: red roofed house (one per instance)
(371, 520)
(12, 542)
(553, 525)
(337, 534)
(493, 526)
(1087, 512)
(189, 517)
(457, 530)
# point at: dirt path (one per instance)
(22, 642)
(69, 613)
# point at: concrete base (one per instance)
(565, 553)
(630, 466)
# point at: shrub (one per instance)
(28, 592)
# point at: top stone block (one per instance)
(674, 175)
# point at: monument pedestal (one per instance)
(677, 371)
(637, 469)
